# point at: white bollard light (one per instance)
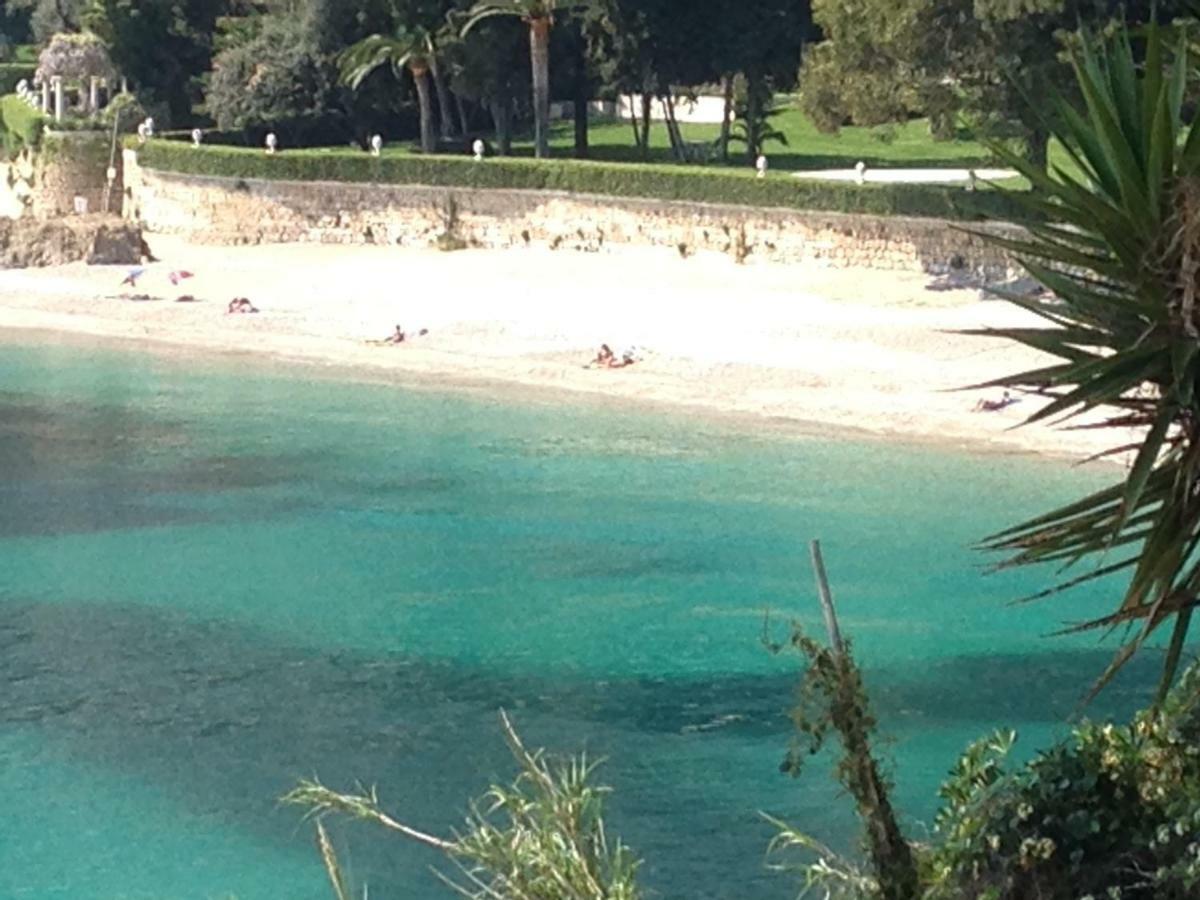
(761, 165)
(376, 145)
(478, 149)
(272, 142)
(197, 137)
(860, 172)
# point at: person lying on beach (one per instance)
(131, 279)
(604, 356)
(241, 305)
(606, 359)
(995, 405)
(399, 336)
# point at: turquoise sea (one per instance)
(218, 576)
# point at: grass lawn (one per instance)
(909, 144)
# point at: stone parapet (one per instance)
(236, 211)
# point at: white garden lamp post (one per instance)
(272, 143)
(376, 145)
(478, 148)
(761, 165)
(860, 172)
(197, 137)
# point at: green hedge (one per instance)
(21, 125)
(11, 75)
(659, 182)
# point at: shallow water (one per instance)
(218, 577)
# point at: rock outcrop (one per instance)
(100, 240)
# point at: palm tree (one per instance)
(408, 47)
(539, 16)
(1118, 247)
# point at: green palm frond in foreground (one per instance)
(1119, 248)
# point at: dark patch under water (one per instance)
(227, 720)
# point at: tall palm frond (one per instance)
(404, 48)
(409, 47)
(1118, 245)
(523, 9)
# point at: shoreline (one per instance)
(860, 354)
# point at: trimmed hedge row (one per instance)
(658, 182)
(20, 124)
(11, 74)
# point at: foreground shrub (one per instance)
(540, 838)
(656, 182)
(21, 125)
(1113, 811)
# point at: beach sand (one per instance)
(861, 349)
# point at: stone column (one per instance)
(58, 99)
(94, 95)
(46, 97)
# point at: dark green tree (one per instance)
(165, 47)
(48, 17)
(975, 63)
(276, 78)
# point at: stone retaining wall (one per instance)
(234, 211)
(45, 184)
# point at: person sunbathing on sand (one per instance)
(241, 305)
(606, 359)
(399, 336)
(995, 405)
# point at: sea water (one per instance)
(220, 576)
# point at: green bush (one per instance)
(659, 182)
(1113, 811)
(11, 74)
(21, 125)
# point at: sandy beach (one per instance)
(867, 350)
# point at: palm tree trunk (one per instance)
(420, 76)
(446, 113)
(647, 100)
(502, 117)
(464, 117)
(673, 133)
(752, 116)
(582, 99)
(539, 55)
(726, 118)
